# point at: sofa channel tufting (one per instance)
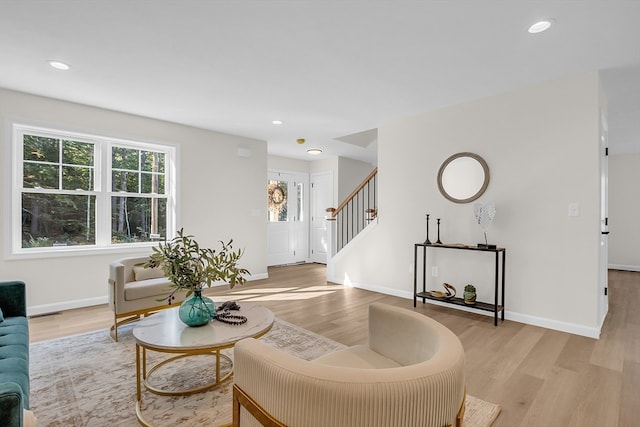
(411, 373)
(14, 354)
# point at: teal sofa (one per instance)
(14, 354)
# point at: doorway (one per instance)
(603, 276)
(287, 236)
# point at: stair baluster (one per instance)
(357, 211)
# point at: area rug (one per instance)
(89, 380)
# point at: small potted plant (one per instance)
(190, 267)
(469, 294)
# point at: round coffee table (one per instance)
(163, 332)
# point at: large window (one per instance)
(77, 191)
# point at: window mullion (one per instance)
(78, 206)
(60, 148)
(103, 203)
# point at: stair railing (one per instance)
(355, 212)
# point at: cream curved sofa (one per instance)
(411, 374)
(135, 291)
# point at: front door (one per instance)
(287, 229)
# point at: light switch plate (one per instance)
(574, 209)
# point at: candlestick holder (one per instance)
(438, 241)
(427, 242)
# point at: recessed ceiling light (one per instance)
(277, 122)
(300, 140)
(59, 65)
(314, 151)
(540, 26)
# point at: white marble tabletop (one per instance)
(165, 331)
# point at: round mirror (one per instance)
(463, 177)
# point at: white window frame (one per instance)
(102, 191)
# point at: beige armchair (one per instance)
(135, 291)
(410, 374)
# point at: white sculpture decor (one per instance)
(484, 216)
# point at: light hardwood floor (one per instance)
(540, 377)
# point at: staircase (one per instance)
(355, 213)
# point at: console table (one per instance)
(499, 278)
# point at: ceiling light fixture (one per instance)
(59, 65)
(314, 151)
(540, 26)
(277, 122)
(300, 141)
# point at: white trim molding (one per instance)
(572, 328)
(624, 267)
(38, 310)
(44, 309)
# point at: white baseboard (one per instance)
(379, 289)
(38, 310)
(624, 267)
(260, 276)
(572, 328)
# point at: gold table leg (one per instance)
(141, 374)
(142, 377)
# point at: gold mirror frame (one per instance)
(485, 184)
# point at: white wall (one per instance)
(541, 144)
(220, 195)
(351, 173)
(277, 163)
(624, 211)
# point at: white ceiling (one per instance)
(328, 69)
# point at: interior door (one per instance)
(603, 279)
(321, 199)
(287, 230)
